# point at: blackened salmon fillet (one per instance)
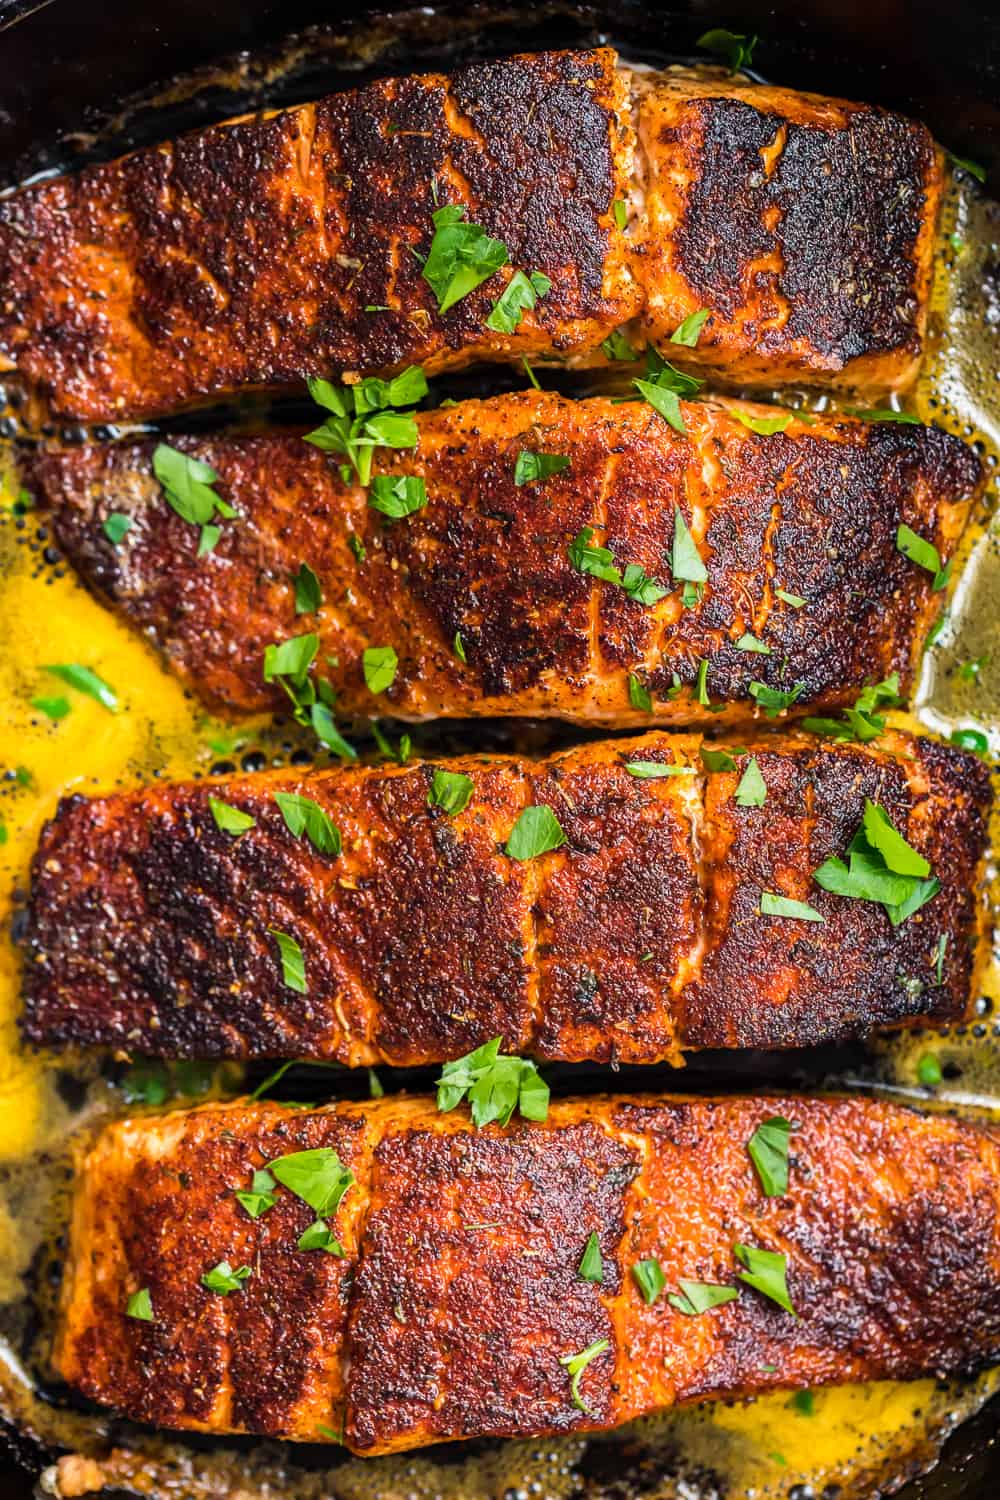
(635, 913)
(264, 250)
(453, 1305)
(481, 593)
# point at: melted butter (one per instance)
(855, 1438)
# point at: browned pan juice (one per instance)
(835, 1444)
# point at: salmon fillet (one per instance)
(152, 930)
(811, 511)
(266, 249)
(457, 1301)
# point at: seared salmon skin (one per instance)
(451, 1304)
(622, 901)
(264, 250)
(766, 554)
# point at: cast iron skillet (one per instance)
(67, 66)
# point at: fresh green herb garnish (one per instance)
(649, 1278)
(688, 332)
(53, 708)
(361, 419)
(319, 1236)
(291, 658)
(783, 906)
(576, 1364)
(375, 1089)
(520, 295)
(459, 647)
(461, 257)
(599, 563)
(223, 1279)
(939, 953)
(115, 526)
(762, 426)
(766, 1271)
(652, 770)
(701, 685)
(401, 753)
(450, 790)
(882, 868)
(260, 1196)
(972, 167)
(929, 1071)
(140, 1306)
(768, 1148)
(496, 1085)
(153, 1083)
(399, 497)
(751, 790)
(617, 347)
(317, 1176)
(736, 48)
(187, 486)
(862, 722)
(530, 372)
(308, 594)
(774, 700)
(884, 414)
(663, 388)
(304, 816)
(357, 546)
(531, 467)
(591, 1267)
(293, 964)
(230, 819)
(638, 694)
(379, 664)
(620, 210)
(970, 739)
(796, 601)
(536, 832)
(804, 1403)
(326, 731)
(924, 554)
(716, 760)
(87, 682)
(700, 1296)
(748, 642)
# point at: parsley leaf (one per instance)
(293, 964)
(308, 594)
(187, 487)
(972, 167)
(319, 1236)
(230, 819)
(929, 1072)
(762, 426)
(795, 601)
(751, 791)
(599, 562)
(862, 722)
(536, 832)
(115, 526)
(652, 770)
(260, 1196)
(325, 727)
(140, 1306)
(699, 1296)
(774, 700)
(459, 646)
(450, 790)
(748, 642)
(360, 420)
(766, 1271)
(304, 816)
(638, 694)
(649, 1278)
(576, 1364)
(496, 1085)
(783, 906)
(688, 332)
(519, 296)
(617, 346)
(768, 1148)
(86, 681)
(685, 560)
(716, 760)
(53, 708)
(379, 664)
(317, 1176)
(291, 658)
(924, 554)
(736, 48)
(397, 497)
(531, 467)
(461, 256)
(591, 1267)
(223, 1279)
(885, 414)
(620, 210)
(882, 867)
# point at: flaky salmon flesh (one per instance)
(451, 1302)
(267, 249)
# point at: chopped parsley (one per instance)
(401, 754)
(751, 790)
(783, 906)
(591, 1267)
(308, 594)
(536, 832)
(751, 643)
(885, 414)
(970, 739)
(736, 48)
(649, 1278)
(86, 681)
(576, 1364)
(461, 256)
(804, 1403)
(766, 1271)
(379, 664)
(260, 1196)
(357, 546)
(223, 1279)
(882, 867)
(795, 601)
(620, 210)
(688, 332)
(495, 1085)
(716, 760)
(449, 790)
(762, 426)
(531, 467)
(293, 963)
(617, 347)
(520, 295)
(638, 694)
(972, 167)
(305, 817)
(768, 1148)
(115, 526)
(140, 1306)
(361, 419)
(319, 1236)
(459, 647)
(663, 388)
(919, 550)
(230, 819)
(599, 562)
(397, 497)
(929, 1071)
(700, 1296)
(55, 708)
(317, 1176)
(652, 770)
(774, 700)
(863, 722)
(187, 487)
